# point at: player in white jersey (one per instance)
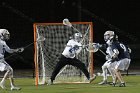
(108, 66)
(4, 66)
(68, 57)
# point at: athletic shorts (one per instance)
(122, 64)
(3, 65)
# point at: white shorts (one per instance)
(106, 64)
(109, 64)
(4, 65)
(122, 64)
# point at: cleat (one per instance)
(122, 85)
(103, 82)
(15, 88)
(49, 82)
(93, 78)
(110, 83)
(113, 84)
(2, 86)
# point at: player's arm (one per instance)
(9, 50)
(115, 53)
(103, 46)
(114, 56)
(129, 49)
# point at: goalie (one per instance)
(68, 57)
(4, 66)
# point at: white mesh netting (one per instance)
(49, 51)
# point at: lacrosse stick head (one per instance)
(93, 47)
(67, 23)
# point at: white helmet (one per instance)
(4, 34)
(108, 35)
(78, 36)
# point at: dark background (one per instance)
(18, 16)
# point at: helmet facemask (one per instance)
(78, 37)
(108, 37)
(5, 35)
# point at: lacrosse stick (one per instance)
(94, 47)
(67, 23)
(102, 52)
(39, 39)
(22, 49)
(85, 34)
(91, 47)
(84, 37)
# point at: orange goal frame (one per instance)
(35, 48)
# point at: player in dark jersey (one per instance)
(120, 56)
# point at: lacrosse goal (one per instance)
(47, 52)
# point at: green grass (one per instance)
(27, 85)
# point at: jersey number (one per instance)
(73, 49)
(123, 47)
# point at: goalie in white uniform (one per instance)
(4, 66)
(68, 57)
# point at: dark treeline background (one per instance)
(18, 16)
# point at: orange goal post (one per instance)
(47, 53)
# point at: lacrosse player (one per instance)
(4, 66)
(107, 66)
(68, 57)
(120, 56)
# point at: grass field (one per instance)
(27, 85)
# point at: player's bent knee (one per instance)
(10, 71)
(103, 67)
(117, 70)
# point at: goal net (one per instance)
(47, 52)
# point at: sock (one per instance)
(88, 78)
(2, 81)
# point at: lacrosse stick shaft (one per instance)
(85, 34)
(28, 45)
(102, 52)
(38, 40)
(68, 23)
(75, 29)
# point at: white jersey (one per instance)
(70, 51)
(109, 51)
(109, 65)
(3, 48)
